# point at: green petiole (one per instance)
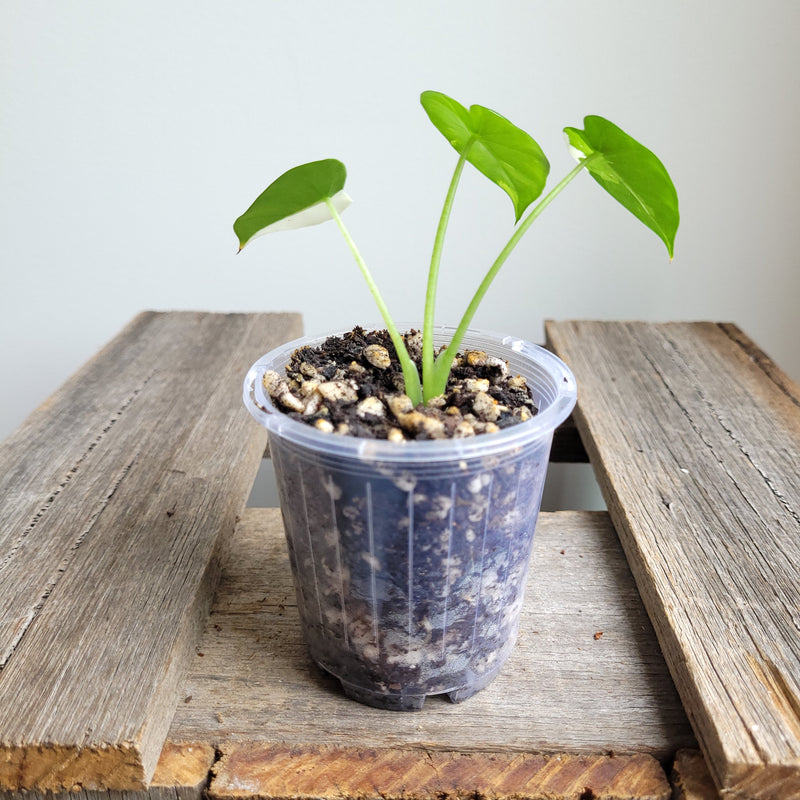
(429, 386)
(410, 374)
(444, 362)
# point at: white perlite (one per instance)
(377, 355)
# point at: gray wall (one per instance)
(133, 133)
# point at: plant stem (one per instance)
(433, 278)
(410, 373)
(445, 359)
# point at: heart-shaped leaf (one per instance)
(504, 153)
(295, 200)
(630, 173)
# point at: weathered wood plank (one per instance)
(586, 676)
(764, 362)
(115, 497)
(695, 439)
(284, 772)
(182, 773)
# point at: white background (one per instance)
(133, 133)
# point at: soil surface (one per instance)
(353, 385)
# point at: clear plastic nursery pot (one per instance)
(410, 559)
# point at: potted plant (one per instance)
(410, 540)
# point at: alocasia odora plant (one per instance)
(628, 171)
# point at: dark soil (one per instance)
(353, 385)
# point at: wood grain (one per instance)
(690, 777)
(586, 676)
(116, 496)
(695, 439)
(322, 773)
(182, 773)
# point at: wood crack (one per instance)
(762, 360)
(36, 609)
(71, 475)
(781, 498)
(729, 432)
(783, 696)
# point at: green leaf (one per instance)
(504, 153)
(295, 200)
(630, 173)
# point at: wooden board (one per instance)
(695, 438)
(182, 773)
(332, 773)
(586, 677)
(115, 498)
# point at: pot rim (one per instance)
(522, 434)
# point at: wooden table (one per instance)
(149, 641)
